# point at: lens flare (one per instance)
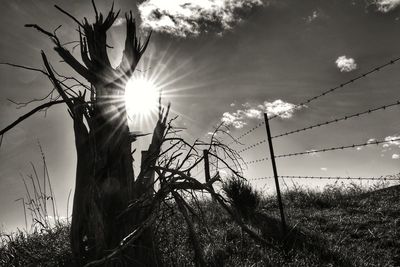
(141, 97)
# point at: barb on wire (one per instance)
(245, 163)
(384, 178)
(261, 178)
(248, 132)
(337, 148)
(252, 146)
(256, 161)
(369, 111)
(365, 74)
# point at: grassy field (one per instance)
(343, 225)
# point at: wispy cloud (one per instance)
(324, 169)
(239, 118)
(392, 144)
(385, 6)
(312, 17)
(235, 119)
(280, 108)
(392, 141)
(346, 64)
(191, 17)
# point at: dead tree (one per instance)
(105, 182)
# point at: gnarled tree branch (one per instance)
(30, 113)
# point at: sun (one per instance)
(141, 97)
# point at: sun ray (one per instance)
(159, 72)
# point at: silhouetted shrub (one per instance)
(242, 196)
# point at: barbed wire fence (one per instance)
(382, 178)
(270, 138)
(324, 93)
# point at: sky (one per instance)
(219, 60)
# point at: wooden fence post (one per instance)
(206, 165)
(278, 191)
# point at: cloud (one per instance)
(386, 6)
(313, 16)
(280, 108)
(395, 156)
(324, 169)
(392, 141)
(239, 118)
(234, 119)
(346, 64)
(191, 17)
(371, 140)
(253, 113)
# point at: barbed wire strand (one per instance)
(365, 74)
(369, 111)
(245, 163)
(361, 76)
(248, 132)
(388, 178)
(338, 148)
(252, 146)
(256, 161)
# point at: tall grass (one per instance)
(45, 239)
(39, 202)
(332, 195)
(326, 232)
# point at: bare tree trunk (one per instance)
(105, 182)
(105, 188)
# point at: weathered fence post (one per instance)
(206, 165)
(278, 191)
(207, 173)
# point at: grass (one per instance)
(242, 196)
(343, 225)
(45, 247)
(362, 224)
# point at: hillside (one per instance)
(341, 226)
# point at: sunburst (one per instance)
(141, 97)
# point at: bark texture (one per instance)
(105, 182)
